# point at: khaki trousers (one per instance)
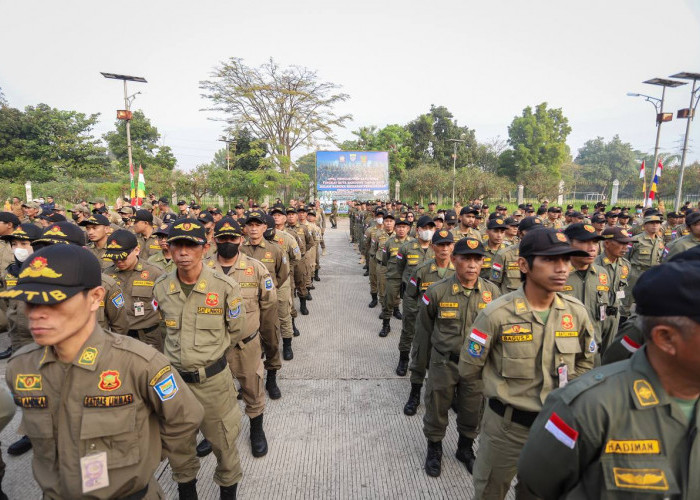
(284, 308)
(246, 365)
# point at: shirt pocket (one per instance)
(113, 431)
(38, 426)
(208, 329)
(639, 477)
(519, 356)
(567, 349)
(449, 320)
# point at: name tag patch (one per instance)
(565, 334)
(449, 304)
(516, 338)
(32, 401)
(143, 283)
(217, 311)
(108, 401)
(633, 447)
(447, 314)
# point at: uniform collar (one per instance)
(458, 288)
(522, 306)
(247, 243)
(89, 354)
(200, 287)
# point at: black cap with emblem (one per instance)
(54, 274)
(671, 289)
(96, 220)
(143, 215)
(425, 220)
(443, 236)
(25, 232)
(120, 244)
(9, 217)
(255, 215)
(62, 232)
(188, 230)
(582, 232)
(547, 242)
(469, 246)
(227, 227)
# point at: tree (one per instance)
(604, 162)
(537, 138)
(472, 182)
(541, 182)
(193, 183)
(145, 149)
(425, 180)
(285, 107)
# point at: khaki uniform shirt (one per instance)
(149, 246)
(680, 245)
(259, 294)
(516, 355)
(594, 293)
(471, 233)
(425, 275)
(619, 272)
(306, 241)
(645, 252)
(6, 256)
(617, 434)
(381, 238)
(140, 304)
(100, 254)
(556, 223)
(200, 327)
(390, 252)
(158, 259)
(118, 396)
(505, 271)
(112, 314)
(410, 256)
(272, 256)
(370, 239)
(487, 266)
(290, 246)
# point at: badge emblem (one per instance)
(56, 231)
(645, 393)
(144, 275)
(212, 299)
(88, 356)
(603, 279)
(486, 297)
(561, 237)
(109, 380)
(443, 233)
(589, 228)
(567, 322)
(249, 271)
(268, 255)
(38, 268)
(28, 382)
(114, 244)
(472, 244)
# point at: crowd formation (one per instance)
(505, 314)
(131, 328)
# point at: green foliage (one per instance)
(537, 138)
(425, 180)
(603, 162)
(472, 183)
(145, 150)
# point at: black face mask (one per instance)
(74, 215)
(269, 233)
(227, 250)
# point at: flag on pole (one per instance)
(642, 171)
(141, 189)
(133, 187)
(642, 175)
(655, 184)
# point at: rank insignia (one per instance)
(144, 275)
(567, 322)
(640, 479)
(109, 380)
(202, 285)
(31, 382)
(603, 279)
(645, 393)
(88, 356)
(212, 299)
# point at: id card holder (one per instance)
(602, 313)
(563, 372)
(620, 294)
(139, 309)
(93, 471)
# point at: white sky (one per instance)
(484, 60)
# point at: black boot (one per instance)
(397, 313)
(373, 304)
(6, 353)
(19, 447)
(308, 294)
(403, 363)
(188, 490)
(287, 352)
(271, 385)
(316, 278)
(204, 447)
(258, 442)
(310, 286)
(2, 493)
(295, 330)
(465, 453)
(228, 492)
(386, 328)
(366, 273)
(433, 461)
(302, 306)
(411, 405)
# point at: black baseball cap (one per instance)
(52, 217)
(279, 209)
(468, 210)
(25, 232)
(582, 232)
(96, 220)
(54, 274)
(546, 242)
(529, 222)
(143, 215)
(469, 246)
(227, 226)
(611, 215)
(597, 217)
(9, 217)
(616, 233)
(389, 215)
(671, 289)
(189, 230)
(692, 218)
(403, 221)
(450, 217)
(255, 215)
(291, 210)
(443, 236)
(65, 233)
(169, 217)
(181, 203)
(164, 199)
(510, 221)
(205, 217)
(496, 223)
(120, 244)
(269, 221)
(425, 220)
(163, 230)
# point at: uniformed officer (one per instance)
(8, 223)
(511, 236)
(285, 305)
(79, 213)
(97, 228)
(629, 430)
(445, 314)
(553, 219)
(304, 239)
(311, 246)
(392, 287)
(143, 228)
(334, 215)
(692, 221)
(431, 271)
(136, 278)
(411, 255)
(495, 234)
(647, 250)
(465, 228)
(370, 237)
(162, 257)
(260, 301)
(522, 346)
(319, 222)
(102, 410)
(204, 316)
(615, 241)
(7, 411)
(505, 271)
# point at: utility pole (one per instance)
(688, 114)
(227, 141)
(454, 166)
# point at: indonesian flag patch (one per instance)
(478, 336)
(629, 344)
(154, 304)
(426, 300)
(497, 267)
(399, 256)
(413, 282)
(561, 431)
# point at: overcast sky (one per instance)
(484, 60)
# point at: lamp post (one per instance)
(660, 115)
(687, 113)
(126, 114)
(454, 165)
(228, 150)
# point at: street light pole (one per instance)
(691, 113)
(128, 125)
(454, 167)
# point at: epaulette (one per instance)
(106, 278)
(581, 384)
(161, 278)
(126, 343)
(25, 349)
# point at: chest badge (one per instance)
(212, 299)
(603, 279)
(109, 380)
(486, 297)
(144, 275)
(567, 321)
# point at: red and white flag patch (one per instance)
(561, 431)
(154, 304)
(630, 344)
(426, 300)
(413, 282)
(497, 266)
(478, 336)
(399, 256)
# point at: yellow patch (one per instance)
(633, 447)
(516, 338)
(486, 297)
(568, 288)
(561, 237)
(28, 382)
(644, 479)
(566, 334)
(472, 244)
(88, 356)
(160, 373)
(202, 285)
(38, 268)
(248, 284)
(455, 287)
(143, 283)
(520, 306)
(589, 228)
(447, 314)
(481, 305)
(102, 303)
(645, 393)
(186, 226)
(210, 310)
(602, 288)
(114, 244)
(449, 304)
(517, 329)
(171, 323)
(171, 287)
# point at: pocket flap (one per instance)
(209, 322)
(567, 345)
(107, 422)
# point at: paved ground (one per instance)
(339, 430)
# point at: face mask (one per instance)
(21, 254)
(380, 220)
(74, 215)
(227, 250)
(426, 234)
(269, 234)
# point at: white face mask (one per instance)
(380, 220)
(426, 234)
(21, 254)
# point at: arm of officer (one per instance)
(7, 407)
(628, 339)
(384, 259)
(115, 312)
(294, 251)
(235, 313)
(179, 412)
(425, 321)
(477, 346)
(559, 446)
(497, 268)
(401, 259)
(282, 270)
(413, 284)
(585, 359)
(267, 300)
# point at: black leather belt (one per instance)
(525, 418)
(209, 371)
(138, 495)
(135, 333)
(248, 339)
